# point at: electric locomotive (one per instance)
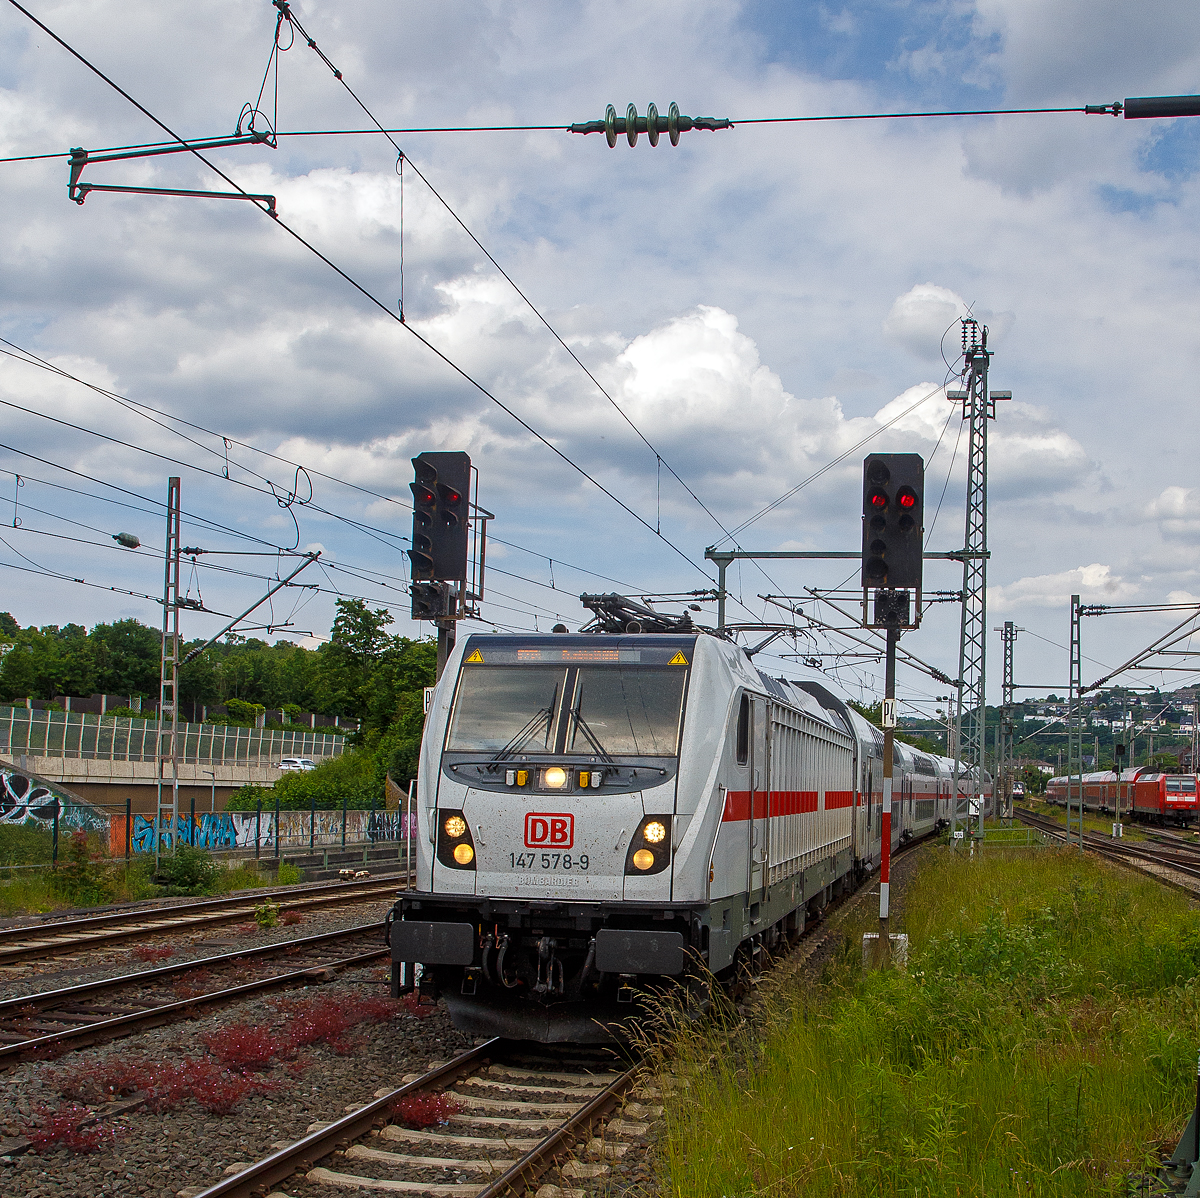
(1143, 793)
(600, 813)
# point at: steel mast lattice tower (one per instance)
(168, 686)
(971, 710)
(1004, 763)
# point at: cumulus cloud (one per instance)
(1177, 511)
(1095, 583)
(922, 318)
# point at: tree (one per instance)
(128, 658)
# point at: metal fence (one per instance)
(108, 738)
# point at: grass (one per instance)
(88, 878)
(1042, 1042)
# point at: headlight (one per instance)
(555, 777)
(455, 847)
(650, 849)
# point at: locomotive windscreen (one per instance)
(589, 710)
(626, 711)
(506, 708)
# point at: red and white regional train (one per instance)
(598, 813)
(1144, 794)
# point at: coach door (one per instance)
(758, 826)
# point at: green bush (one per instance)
(189, 871)
(25, 844)
(350, 777)
(239, 709)
(266, 915)
(81, 879)
(123, 713)
(288, 874)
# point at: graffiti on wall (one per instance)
(248, 829)
(25, 799)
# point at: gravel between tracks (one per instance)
(159, 1155)
(94, 964)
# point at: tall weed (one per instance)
(1042, 1042)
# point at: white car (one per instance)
(296, 763)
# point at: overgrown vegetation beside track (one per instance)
(1042, 1042)
(86, 877)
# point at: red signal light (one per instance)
(452, 496)
(907, 499)
(878, 500)
(422, 494)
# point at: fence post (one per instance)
(345, 799)
(277, 826)
(312, 820)
(128, 823)
(54, 856)
(258, 828)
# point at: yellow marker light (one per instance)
(464, 854)
(583, 777)
(654, 832)
(455, 827)
(522, 777)
(555, 777)
(643, 858)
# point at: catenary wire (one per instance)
(338, 75)
(368, 295)
(773, 120)
(31, 359)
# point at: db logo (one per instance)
(549, 830)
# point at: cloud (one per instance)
(1177, 511)
(922, 321)
(1095, 583)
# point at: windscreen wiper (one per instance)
(582, 724)
(540, 719)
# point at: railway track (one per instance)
(1182, 861)
(99, 931)
(514, 1115)
(78, 1016)
(525, 1114)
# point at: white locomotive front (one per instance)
(599, 812)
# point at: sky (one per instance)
(754, 302)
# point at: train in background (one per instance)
(1144, 794)
(599, 813)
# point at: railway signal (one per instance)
(893, 519)
(428, 601)
(892, 554)
(440, 508)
